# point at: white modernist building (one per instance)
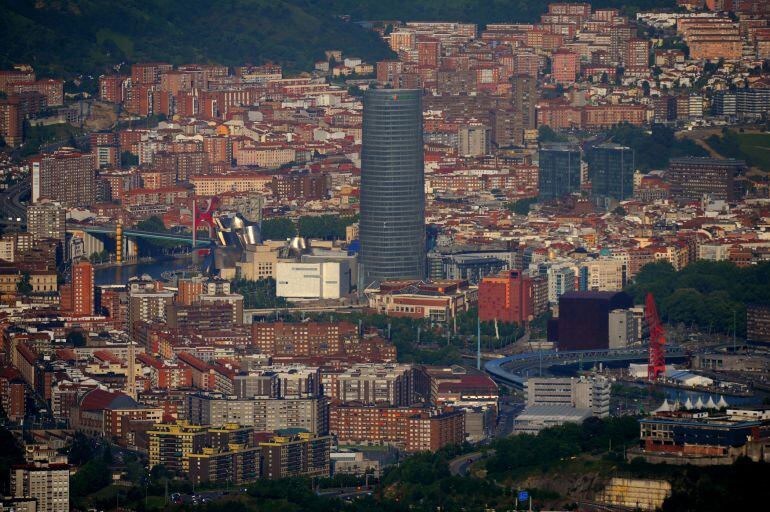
(321, 280)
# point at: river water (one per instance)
(121, 274)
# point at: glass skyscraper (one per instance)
(611, 170)
(392, 225)
(559, 170)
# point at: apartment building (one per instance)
(263, 414)
(304, 454)
(47, 483)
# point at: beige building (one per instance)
(266, 156)
(261, 263)
(605, 274)
(245, 182)
(46, 220)
(264, 414)
(48, 484)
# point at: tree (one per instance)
(258, 294)
(705, 294)
(324, 227)
(278, 228)
(76, 338)
(619, 211)
(646, 88)
(127, 159)
(153, 223)
(546, 134)
(522, 206)
(24, 286)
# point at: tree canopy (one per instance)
(653, 150)
(258, 294)
(278, 228)
(90, 37)
(704, 293)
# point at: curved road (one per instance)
(11, 205)
(460, 465)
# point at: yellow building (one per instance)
(234, 463)
(171, 444)
(304, 454)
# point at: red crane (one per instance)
(657, 364)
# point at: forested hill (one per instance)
(60, 37)
(476, 11)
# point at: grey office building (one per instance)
(392, 226)
(611, 170)
(559, 170)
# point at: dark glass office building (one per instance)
(559, 172)
(392, 226)
(611, 170)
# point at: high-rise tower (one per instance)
(611, 169)
(392, 227)
(559, 172)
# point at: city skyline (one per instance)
(401, 255)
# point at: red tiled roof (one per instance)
(99, 399)
(193, 361)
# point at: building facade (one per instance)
(392, 226)
(559, 172)
(611, 170)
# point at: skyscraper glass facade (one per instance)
(559, 170)
(611, 170)
(392, 225)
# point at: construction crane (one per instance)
(657, 363)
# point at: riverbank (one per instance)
(120, 274)
(113, 263)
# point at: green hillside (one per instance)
(60, 37)
(88, 36)
(477, 11)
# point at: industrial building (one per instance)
(538, 417)
(714, 438)
(591, 393)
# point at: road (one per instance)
(508, 413)
(11, 206)
(202, 497)
(460, 465)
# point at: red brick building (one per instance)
(83, 288)
(512, 296)
(431, 431)
(565, 66)
(12, 394)
(111, 88)
(302, 338)
(11, 121)
(415, 428)
(53, 90)
(637, 54)
(148, 72)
